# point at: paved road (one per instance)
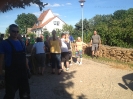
(91, 80)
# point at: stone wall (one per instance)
(116, 53)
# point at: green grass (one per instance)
(109, 61)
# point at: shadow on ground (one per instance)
(128, 82)
(53, 86)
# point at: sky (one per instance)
(68, 10)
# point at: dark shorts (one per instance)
(64, 56)
(40, 59)
(70, 54)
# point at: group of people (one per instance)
(56, 51)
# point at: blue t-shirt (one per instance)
(71, 38)
(6, 49)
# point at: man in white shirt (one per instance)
(64, 52)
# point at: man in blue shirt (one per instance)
(12, 52)
(71, 38)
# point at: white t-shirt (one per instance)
(39, 46)
(64, 47)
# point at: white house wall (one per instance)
(37, 32)
(48, 16)
(50, 26)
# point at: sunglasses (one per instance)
(13, 31)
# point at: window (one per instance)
(56, 23)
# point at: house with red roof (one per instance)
(47, 21)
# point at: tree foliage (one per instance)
(68, 28)
(6, 5)
(25, 21)
(115, 29)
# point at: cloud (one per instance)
(56, 14)
(54, 5)
(68, 4)
(37, 13)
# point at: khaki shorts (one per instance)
(95, 47)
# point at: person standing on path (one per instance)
(68, 42)
(55, 50)
(78, 50)
(40, 54)
(64, 53)
(12, 52)
(47, 49)
(95, 42)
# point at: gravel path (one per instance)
(91, 80)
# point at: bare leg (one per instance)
(62, 65)
(67, 65)
(81, 60)
(92, 54)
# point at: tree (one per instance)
(86, 30)
(7, 32)
(25, 21)
(115, 29)
(6, 5)
(68, 28)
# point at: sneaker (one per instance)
(80, 63)
(77, 62)
(67, 69)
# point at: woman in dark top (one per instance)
(47, 49)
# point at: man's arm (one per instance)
(91, 42)
(1, 62)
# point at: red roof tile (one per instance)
(42, 25)
(42, 16)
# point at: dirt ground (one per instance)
(91, 80)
